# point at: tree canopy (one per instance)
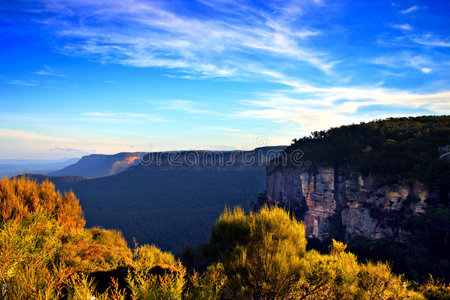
(399, 148)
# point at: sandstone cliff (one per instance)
(364, 204)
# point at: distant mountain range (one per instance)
(170, 199)
(13, 167)
(99, 165)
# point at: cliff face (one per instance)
(256, 159)
(363, 204)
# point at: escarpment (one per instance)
(365, 179)
(365, 205)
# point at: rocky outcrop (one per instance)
(363, 204)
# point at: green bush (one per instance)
(207, 286)
(43, 242)
(262, 252)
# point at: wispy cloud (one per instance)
(402, 26)
(409, 10)
(431, 40)
(29, 135)
(47, 83)
(59, 149)
(405, 59)
(225, 129)
(182, 105)
(47, 71)
(22, 82)
(110, 117)
(313, 107)
(194, 44)
(26, 144)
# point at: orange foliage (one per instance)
(21, 198)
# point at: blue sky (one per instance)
(81, 76)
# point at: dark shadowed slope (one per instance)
(172, 207)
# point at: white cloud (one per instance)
(225, 129)
(317, 108)
(162, 38)
(405, 59)
(47, 71)
(59, 149)
(409, 10)
(181, 105)
(30, 144)
(23, 82)
(29, 135)
(109, 117)
(402, 26)
(430, 40)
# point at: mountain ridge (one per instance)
(100, 165)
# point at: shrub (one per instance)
(262, 252)
(435, 289)
(21, 198)
(207, 286)
(156, 275)
(43, 242)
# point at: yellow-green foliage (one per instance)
(43, 242)
(338, 275)
(30, 267)
(167, 283)
(22, 198)
(45, 253)
(435, 289)
(330, 276)
(147, 257)
(207, 286)
(144, 284)
(82, 288)
(151, 286)
(264, 257)
(95, 249)
(262, 252)
(376, 281)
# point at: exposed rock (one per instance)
(365, 205)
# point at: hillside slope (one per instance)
(99, 165)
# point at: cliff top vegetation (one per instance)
(399, 148)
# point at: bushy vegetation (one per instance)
(43, 243)
(46, 253)
(264, 257)
(398, 148)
